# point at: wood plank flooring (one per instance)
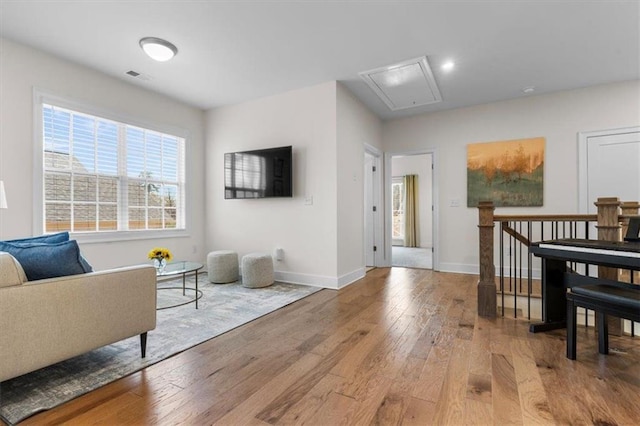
(401, 346)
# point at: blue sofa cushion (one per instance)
(49, 239)
(86, 267)
(41, 260)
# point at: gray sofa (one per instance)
(46, 321)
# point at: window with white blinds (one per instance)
(103, 175)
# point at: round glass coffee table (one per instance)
(182, 268)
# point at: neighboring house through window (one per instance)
(101, 175)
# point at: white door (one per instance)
(369, 214)
(612, 166)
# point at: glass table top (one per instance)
(179, 267)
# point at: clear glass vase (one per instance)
(159, 264)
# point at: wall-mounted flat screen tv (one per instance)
(262, 173)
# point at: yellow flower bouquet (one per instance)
(160, 256)
(160, 253)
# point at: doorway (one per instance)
(411, 210)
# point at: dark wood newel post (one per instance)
(609, 230)
(487, 306)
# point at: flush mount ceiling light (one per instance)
(529, 89)
(158, 49)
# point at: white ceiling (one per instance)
(234, 51)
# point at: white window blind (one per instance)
(103, 175)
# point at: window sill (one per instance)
(108, 237)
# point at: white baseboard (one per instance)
(333, 283)
(351, 277)
(459, 268)
(462, 268)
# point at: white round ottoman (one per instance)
(257, 270)
(222, 266)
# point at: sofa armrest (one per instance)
(47, 321)
(11, 273)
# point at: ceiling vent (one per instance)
(405, 85)
(138, 75)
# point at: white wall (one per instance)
(558, 117)
(305, 119)
(356, 126)
(23, 68)
(327, 127)
(418, 165)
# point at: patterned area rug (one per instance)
(221, 308)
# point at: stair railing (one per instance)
(520, 272)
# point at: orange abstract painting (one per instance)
(509, 173)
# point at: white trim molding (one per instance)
(333, 283)
(378, 232)
(473, 269)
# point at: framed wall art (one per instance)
(509, 173)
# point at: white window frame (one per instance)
(398, 180)
(41, 97)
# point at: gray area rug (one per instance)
(221, 308)
(412, 257)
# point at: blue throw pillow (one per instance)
(40, 260)
(48, 239)
(86, 266)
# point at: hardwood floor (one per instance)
(401, 346)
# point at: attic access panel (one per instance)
(405, 85)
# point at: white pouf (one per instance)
(257, 270)
(222, 266)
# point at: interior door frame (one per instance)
(435, 200)
(583, 172)
(379, 218)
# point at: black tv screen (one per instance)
(262, 173)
